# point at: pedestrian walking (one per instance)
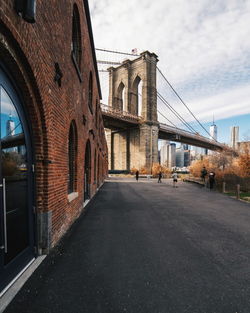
(211, 178)
(159, 177)
(204, 174)
(137, 175)
(175, 180)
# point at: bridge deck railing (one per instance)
(118, 113)
(182, 132)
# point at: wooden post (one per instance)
(224, 187)
(238, 191)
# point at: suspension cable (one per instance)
(167, 119)
(182, 100)
(118, 52)
(175, 113)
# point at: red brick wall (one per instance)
(29, 52)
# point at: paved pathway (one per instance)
(148, 248)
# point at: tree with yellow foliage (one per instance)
(244, 163)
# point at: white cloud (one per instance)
(7, 106)
(192, 39)
(230, 103)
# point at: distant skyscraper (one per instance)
(187, 158)
(10, 131)
(163, 143)
(234, 136)
(180, 157)
(10, 127)
(167, 154)
(213, 131)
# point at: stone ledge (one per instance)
(72, 196)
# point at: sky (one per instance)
(203, 48)
(8, 112)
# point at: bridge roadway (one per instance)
(116, 119)
(147, 248)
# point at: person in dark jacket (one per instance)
(159, 177)
(203, 174)
(137, 175)
(211, 178)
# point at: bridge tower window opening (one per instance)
(139, 91)
(136, 96)
(121, 105)
(123, 100)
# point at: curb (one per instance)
(14, 287)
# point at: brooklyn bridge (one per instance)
(132, 125)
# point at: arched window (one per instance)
(17, 190)
(72, 153)
(90, 92)
(95, 168)
(98, 170)
(76, 37)
(87, 171)
(139, 105)
(96, 114)
(136, 97)
(121, 97)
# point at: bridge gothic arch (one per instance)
(120, 97)
(136, 96)
(139, 80)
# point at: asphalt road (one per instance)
(148, 248)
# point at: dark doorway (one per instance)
(16, 192)
(87, 171)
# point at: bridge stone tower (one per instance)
(134, 146)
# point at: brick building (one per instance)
(53, 148)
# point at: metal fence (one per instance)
(232, 181)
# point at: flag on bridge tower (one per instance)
(134, 51)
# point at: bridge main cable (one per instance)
(176, 113)
(117, 52)
(182, 101)
(166, 118)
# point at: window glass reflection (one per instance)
(14, 172)
(10, 122)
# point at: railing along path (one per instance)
(124, 115)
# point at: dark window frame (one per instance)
(76, 42)
(96, 114)
(90, 92)
(95, 169)
(72, 157)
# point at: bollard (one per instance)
(238, 191)
(224, 187)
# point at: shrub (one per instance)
(133, 170)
